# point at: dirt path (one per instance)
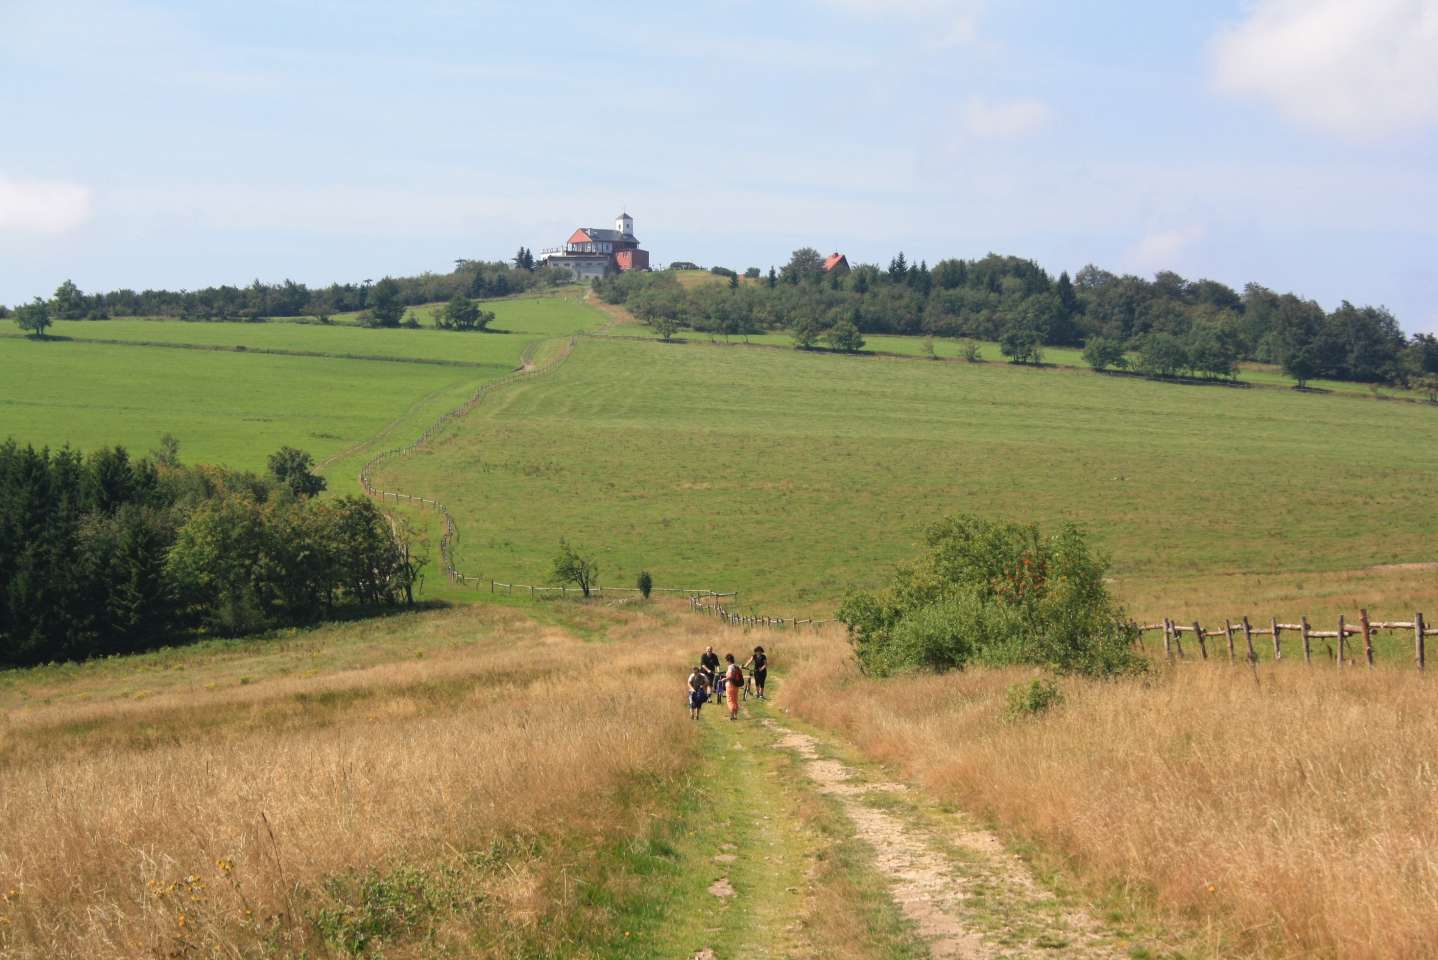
(964, 893)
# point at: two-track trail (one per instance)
(795, 851)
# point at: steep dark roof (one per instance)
(596, 234)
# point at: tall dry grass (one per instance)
(1297, 812)
(217, 822)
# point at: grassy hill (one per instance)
(234, 392)
(788, 476)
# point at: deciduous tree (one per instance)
(571, 566)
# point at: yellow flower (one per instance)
(180, 919)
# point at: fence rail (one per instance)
(1174, 632)
(706, 603)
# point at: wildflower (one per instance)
(225, 865)
(1212, 888)
(180, 920)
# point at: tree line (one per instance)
(470, 278)
(107, 553)
(1173, 324)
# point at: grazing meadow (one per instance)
(234, 392)
(789, 476)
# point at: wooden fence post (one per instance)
(1303, 632)
(1277, 647)
(1367, 636)
(1418, 640)
(1341, 637)
(1202, 643)
(1168, 638)
(1248, 639)
(1228, 629)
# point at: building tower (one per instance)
(624, 223)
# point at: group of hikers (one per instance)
(706, 681)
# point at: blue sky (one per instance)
(1291, 142)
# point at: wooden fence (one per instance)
(708, 604)
(1365, 628)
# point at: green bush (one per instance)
(1103, 352)
(645, 583)
(1032, 698)
(995, 594)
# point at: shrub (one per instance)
(1032, 698)
(1162, 355)
(645, 583)
(969, 350)
(1100, 353)
(996, 594)
(1021, 345)
(845, 337)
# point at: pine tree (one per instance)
(1068, 298)
(898, 267)
(773, 279)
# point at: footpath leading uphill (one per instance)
(797, 850)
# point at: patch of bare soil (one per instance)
(967, 895)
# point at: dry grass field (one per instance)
(437, 781)
(462, 783)
(1286, 812)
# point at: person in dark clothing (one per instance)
(709, 662)
(758, 665)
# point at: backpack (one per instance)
(738, 675)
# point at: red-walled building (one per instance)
(592, 252)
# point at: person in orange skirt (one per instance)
(733, 683)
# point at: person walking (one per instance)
(733, 683)
(698, 687)
(759, 665)
(709, 663)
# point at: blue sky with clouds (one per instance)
(1291, 142)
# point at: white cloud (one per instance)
(1003, 120)
(952, 21)
(41, 206)
(1162, 249)
(1358, 69)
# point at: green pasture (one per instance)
(517, 323)
(234, 392)
(790, 475)
(948, 348)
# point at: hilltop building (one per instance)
(837, 264)
(592, 252)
